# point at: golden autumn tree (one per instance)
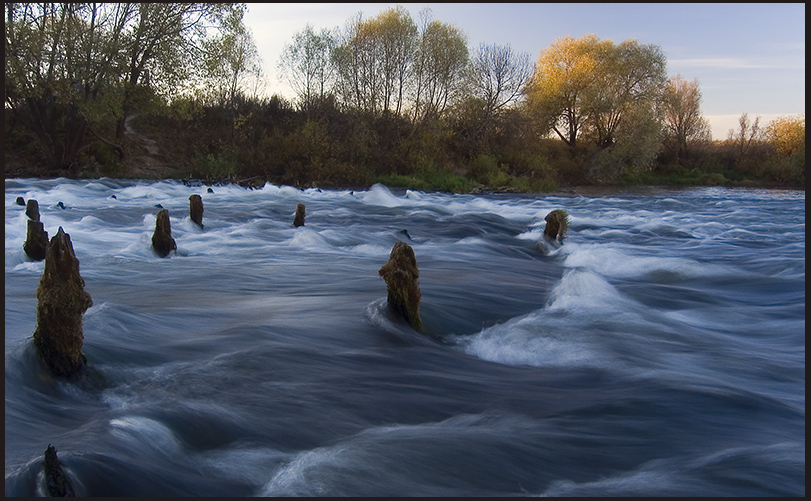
(606, 95)
(558, 90)
(786, 134)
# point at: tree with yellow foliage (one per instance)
(591, 89)
(558, 90)
(786, 134)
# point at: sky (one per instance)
(748, 58)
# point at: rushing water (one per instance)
(660, 351)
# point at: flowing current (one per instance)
(659, 351)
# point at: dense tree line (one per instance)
(384, 99)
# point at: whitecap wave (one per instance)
(144, 433)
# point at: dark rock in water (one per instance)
(58, 483)
(20, 201)
(209, 190)
(162, 240)
(113, 196)
(32, 210)
(402, 280)
(196, 209)
(158, 206)
(36, 241)
(61, 302)
(252, 183)
(405, 234)
(299, 219)
(60, 205)
(557, 225)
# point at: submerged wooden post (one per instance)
(557, 225)
(32, 210)
(36, 238)
(56, 481)
(299, 219)
(196, 209)
(402, 280)
(162, 240)
(61, 302)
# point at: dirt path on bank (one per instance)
(146, 159)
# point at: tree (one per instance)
(497, 78)
(558, 90)
(306, 64)
(746, 133)
(373, 61)
(628, 76)
(682, 114)
(232, 59)
(786, 134)
(786, 137)
(354, 59)
(593, 90)
(439, 63)
(397, 36)
(56, 68)
(77, 69)
(164, 47)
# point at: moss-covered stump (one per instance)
(402, 280)
(36, 240)
(557, 225)
(61, 302)
(298, 220)
(56, 481)
(162, 240)
(196, 209)
(32, 210)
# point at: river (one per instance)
(659, 351)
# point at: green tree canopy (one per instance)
(306, 64)
(73, 70)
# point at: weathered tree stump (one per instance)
(196, 209)
(36, 240)
(32, 210)
(298, 220)
(56, 481)
(61, 302)
(402, 280)
(557, 225)
(162, 241)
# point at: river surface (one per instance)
(659, 351)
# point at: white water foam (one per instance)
(620, 262)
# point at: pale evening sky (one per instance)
(747, 57)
